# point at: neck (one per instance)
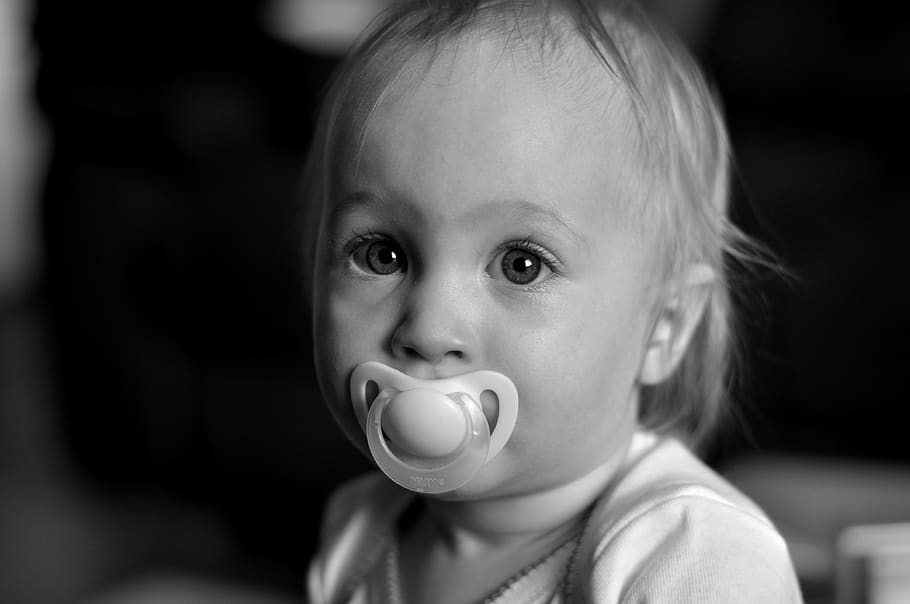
(471, 524)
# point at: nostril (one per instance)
(430, 356)
(431, 329)
(412, 353)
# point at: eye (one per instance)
(380, 257)
(520, 266)
(521, 263)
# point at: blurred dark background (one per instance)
(159, 416)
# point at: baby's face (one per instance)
(483, 228)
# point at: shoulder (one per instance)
(672, 530)
(358, 519)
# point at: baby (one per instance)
(522, 315)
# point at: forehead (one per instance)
(506, 115)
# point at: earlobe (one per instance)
(676, 321)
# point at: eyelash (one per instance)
(528, 245)
(547, 258)
(358, 239)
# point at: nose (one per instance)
(435, 325)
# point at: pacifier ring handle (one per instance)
(424, 474)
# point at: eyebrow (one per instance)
(519, 208)
(522, 208)
(364, 199)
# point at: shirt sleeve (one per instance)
(693, 549)
(344, 525)
(356, 523)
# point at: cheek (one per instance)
(338, 349)
(580, 339)
(349, 328)
(575, 366)
(342, 331)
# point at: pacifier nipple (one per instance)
(424, 423)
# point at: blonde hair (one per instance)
(683, 147)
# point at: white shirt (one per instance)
(669, 530)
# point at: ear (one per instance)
(677, 319)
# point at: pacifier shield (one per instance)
(431, 436)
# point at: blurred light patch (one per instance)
(322, 26)
(20, 150)
(874, 564)
(174, 588)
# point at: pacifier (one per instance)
(431, 436)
